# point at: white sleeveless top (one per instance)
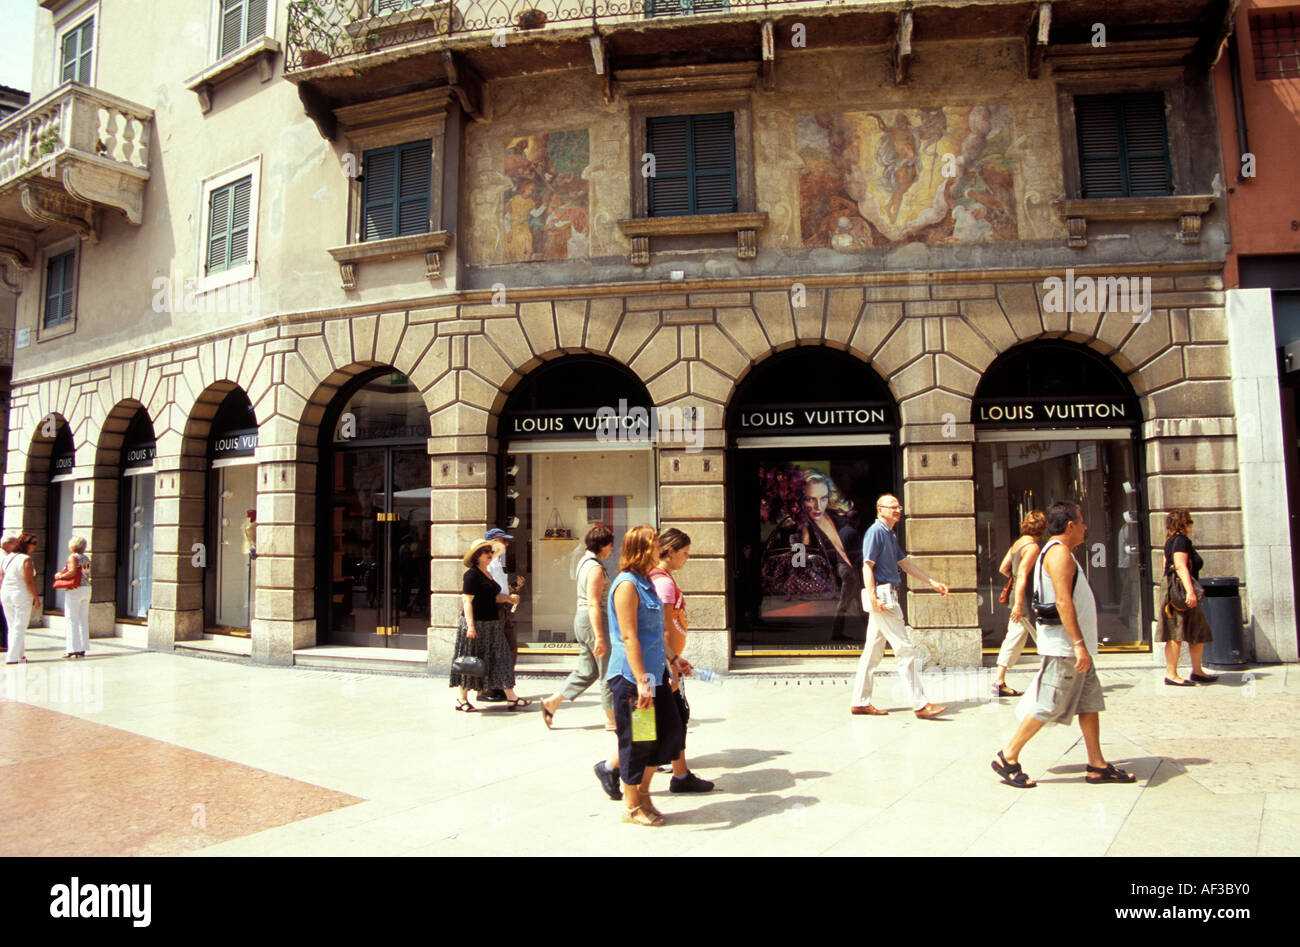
(1053, 639)
(13, 564)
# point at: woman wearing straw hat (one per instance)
(481, 634)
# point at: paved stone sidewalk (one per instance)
(796, 774)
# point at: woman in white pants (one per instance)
(1017, 564)
(76, 607)
(18, 594)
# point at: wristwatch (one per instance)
(648, 679)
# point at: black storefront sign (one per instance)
(1054, 413)
(140, 455)
(63, 464)
(242, 443)
(842, 418)
(605, 421)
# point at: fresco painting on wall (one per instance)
(877, 179)
(544, 211)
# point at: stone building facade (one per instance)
(907, 195)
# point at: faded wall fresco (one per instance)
(544, 210)
(872, 179)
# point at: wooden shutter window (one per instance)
(415, 162)
(1123, 145)
(60, 272)
(76, 51)
(396, 190)
(715, 164)
(242, 21)
(695, 165)
(669, 140)
(229, 225)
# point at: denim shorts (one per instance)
(670, 733)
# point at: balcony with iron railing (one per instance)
(322, 31)
(64, 160)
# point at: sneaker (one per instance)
(609, 780)
(689, 783)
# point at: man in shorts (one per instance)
(1067, 682)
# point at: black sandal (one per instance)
(1011, 773)
(466, 707)
(517, 703)
(1005, 691)
(1109, 774)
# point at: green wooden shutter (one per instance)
(1147, 146)
(413, 189)
(229, 225)
(684, 7)
(240, 202)
(256, 20)
(379, 194)
(668, 139)
(695, 164)
(714, 150)
(219, 230)
(76, 53)
(396, 190)
(68, 71)
(1123, 145)
(232, 26)
(60, 281)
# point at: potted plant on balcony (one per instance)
(531, 19)
(312, 32)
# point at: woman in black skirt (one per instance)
(480, 633)
(1183, 563)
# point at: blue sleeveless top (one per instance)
(649, 631)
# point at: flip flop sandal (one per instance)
(1011, 773)
(466, 707)
(548, 716)
(1005, 691)
(1109, 773)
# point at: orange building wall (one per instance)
(1264, 211)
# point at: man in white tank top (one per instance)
(1067, 682)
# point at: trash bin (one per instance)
(1222, 606)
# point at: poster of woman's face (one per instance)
(809, 570)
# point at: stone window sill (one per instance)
(745, 226)
(261, 52)
(354, 254)
(1186, 209)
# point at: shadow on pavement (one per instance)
(729, 815)
(1137, 765)
(735, 758)
(763, 780)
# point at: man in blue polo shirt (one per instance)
(882, 558)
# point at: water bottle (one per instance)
(706, 676)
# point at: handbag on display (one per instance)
(813, 580)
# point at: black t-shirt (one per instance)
(1181, 543)
(485, 591)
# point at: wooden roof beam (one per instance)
(1037, 39)
(902, 54)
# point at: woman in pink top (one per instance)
(674, 550)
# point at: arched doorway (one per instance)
(374, 514)
(1057, 421)
(812, 442)
(571, 456)
(135, 527)
(231, 516)
(58, 523)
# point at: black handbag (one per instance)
(469, 666)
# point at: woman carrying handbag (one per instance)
(1182, 620)
(74, 580)
(482, 659)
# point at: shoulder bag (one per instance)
(1047, 614)
(674, 617)
(65, 579)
